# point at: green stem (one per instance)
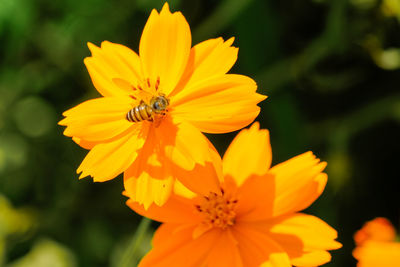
(129, 257)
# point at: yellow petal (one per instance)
(113, 61)
(149, 178)
(248, 154)
(105, 161)
(298, 183)
(213, 57)
(181, 190)
(219, 104)
(312, 258)
(98, 119)
(300, 233)
(376, 253)
(146, 189)
(164, 48)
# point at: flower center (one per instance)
(218, 210)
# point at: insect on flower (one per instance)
(148, 123)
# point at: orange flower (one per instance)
(154, 107)
(254, 220)
(376, 245)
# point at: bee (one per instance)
(158, 106)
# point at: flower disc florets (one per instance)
(218, 210)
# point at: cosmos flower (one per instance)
(376, 244)
(155, 105)
(253, 221)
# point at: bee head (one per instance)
(159, 104)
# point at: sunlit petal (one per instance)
(219, 104)
(298, 183)
(248, 154)
(164, 47)
(112, 61)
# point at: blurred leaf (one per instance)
(46, 253)
(220, 18)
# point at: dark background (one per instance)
(331, 70)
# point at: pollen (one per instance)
(218, 210)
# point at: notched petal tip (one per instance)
(92, 47)
(165, 8)
(230, 41)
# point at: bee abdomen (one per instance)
(140, 113)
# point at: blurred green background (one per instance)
(331, 70)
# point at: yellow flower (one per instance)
(253, 221)
(155, 106)
(376, 244)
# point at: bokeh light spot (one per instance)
(34, 116)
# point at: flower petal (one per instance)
(146, 189)
(176, 210)
(195, 162)
(149, 178)
(98, 120)
(84, 143)
(174, 246)
(105, 161)
(225, 252)
(257, 249)
(378, 229)
(219, 104)
(113, 61)
(305, 238)
(255, 198)
(298, 183)
(375, 253)
(213, 57)
(248, 154)
(164, 47)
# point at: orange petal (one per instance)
(225, 252)
(113, 61)
(375, 253)
(183, 191)
(298, 183)
(194, 160)
(255, 198)
(176, 210)
(99, 119)
(84, 143)
(219, 104)
(248, 154)
(257, 249)
(213, 57)
(149, 178)
(105, 161)
(174, 246)
(378, 229)
(164, 47)
(304, 237)
(145, 189)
